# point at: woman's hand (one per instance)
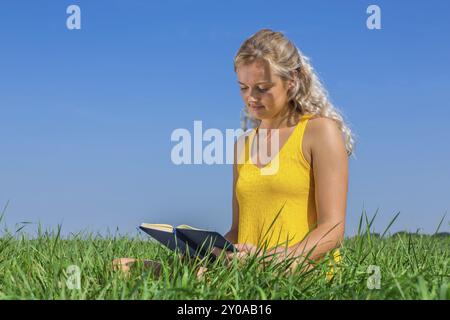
(244, 250)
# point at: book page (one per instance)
(161, 227)
(185, 226)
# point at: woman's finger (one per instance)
(216, 251)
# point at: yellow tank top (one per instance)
(261, 196)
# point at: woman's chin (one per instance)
(257, 113)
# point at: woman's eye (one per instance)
(260, 89)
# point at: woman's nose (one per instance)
(251, 99)
(252, 96)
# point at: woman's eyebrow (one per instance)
(257, 82)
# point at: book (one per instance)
(189, 240)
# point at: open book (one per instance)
(190, 241)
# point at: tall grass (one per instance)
(412, 266)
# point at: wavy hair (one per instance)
(308, 95)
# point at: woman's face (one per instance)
(264, 93)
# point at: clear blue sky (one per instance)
(86, 115)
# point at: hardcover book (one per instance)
(189, 240)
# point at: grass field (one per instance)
(411, 266)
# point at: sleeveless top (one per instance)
(286, 183)
(260, 196)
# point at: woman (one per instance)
(293, 204)
(283, 95)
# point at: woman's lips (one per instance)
(256, 107)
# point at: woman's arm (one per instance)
(330, 163)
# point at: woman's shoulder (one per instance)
(318, 130)
(240, 143)
(321, 123)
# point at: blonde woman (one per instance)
(284, 97)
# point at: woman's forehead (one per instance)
(255, 72)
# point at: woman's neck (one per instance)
(286, 118)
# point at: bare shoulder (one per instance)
(240, 143)
(241, 138)
(319, 131)
(322, 125)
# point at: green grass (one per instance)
(412, 266)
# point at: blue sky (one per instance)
(86, 115)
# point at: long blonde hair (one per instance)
(287, 61)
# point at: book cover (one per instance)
(189, 240)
